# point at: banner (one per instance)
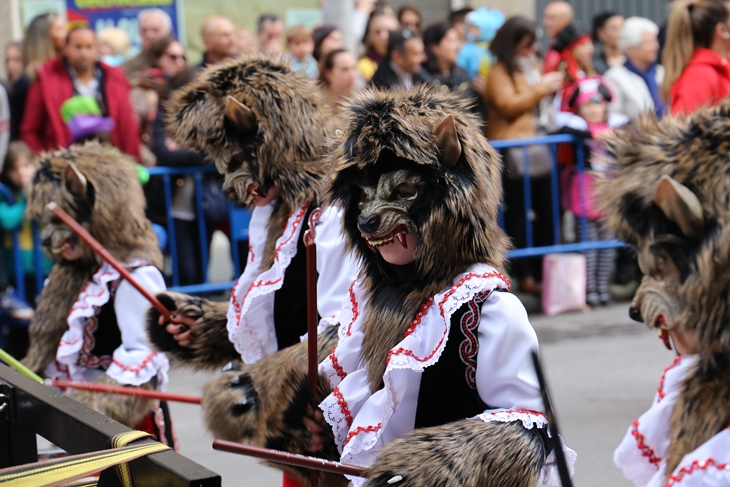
(100, 14)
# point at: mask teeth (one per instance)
(402, 239)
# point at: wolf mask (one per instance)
(667, 193)
(415, 162)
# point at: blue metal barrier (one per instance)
(583, 244)
(239, 219)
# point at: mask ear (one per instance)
(239, 115)
(681, 206)
(448, 141)
(75, 181)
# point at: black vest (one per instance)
(101, 334)
(448, 390)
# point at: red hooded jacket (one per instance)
(705, 81)
(43, 128)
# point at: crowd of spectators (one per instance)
(63, 86)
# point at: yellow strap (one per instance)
(123, 439)
(61, 471)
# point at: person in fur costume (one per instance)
(89, 324)
(431, 360)
(668, 196)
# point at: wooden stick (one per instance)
(13, 363)
(312, 322)
(104, 254)
(562, 464)
(125, 391)
(289, 458)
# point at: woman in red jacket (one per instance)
(695, 57)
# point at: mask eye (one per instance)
(405, 192)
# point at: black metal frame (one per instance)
(32, 408)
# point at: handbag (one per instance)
(538, 155)
(215, 204)
(563, 283)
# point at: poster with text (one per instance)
(99, 14)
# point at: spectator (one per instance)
(154, 24)
(557, 16)
(409, 18)
(245, 42)
(695, 56)
(13, 62)
(78, 72)
(327, 38)
(575, 49)
(636, 82)
(168, 55)
(4, 123)
(402, 63)
(442, 48)
(44, 39)
(606, 31)
(18, 170)
(518, 106)
(219, 37)
(337, 77)
(481, 26)
(457, 18)
(300, 44)
(270, 29)
(375, 41)
(113, 45)
(169, 154)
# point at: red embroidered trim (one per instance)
(520, 411)
(446, 297)
(469, 347)
(419, 316)
(86, 359)
(696, 465)
(85, 305)
(314, 217)
(660, 389)
(138, 368)
(646, 450)
(338, 368)
(296, 223)
(355, 312)
(343, 407)
(360, 429)
(251, 253)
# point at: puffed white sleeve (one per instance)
(337, 268)
(135, 362)
(506, 378)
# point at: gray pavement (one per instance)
(602, 369)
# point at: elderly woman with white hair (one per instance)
(636, 83)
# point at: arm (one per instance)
(34, 119)
(11, 216)
(337, 269)
(501, 93)
(127, 125)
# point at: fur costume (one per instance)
(266, 127)
(89, 325)
(667, 194)
(401, 390)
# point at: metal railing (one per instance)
(28, 408)
(239, 219)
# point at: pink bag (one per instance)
(563, 283)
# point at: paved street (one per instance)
(602, 369)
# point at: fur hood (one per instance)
(457, 216)
(693, 151)
(285, 147)
(113, 207)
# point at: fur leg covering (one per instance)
(263, 404)
(467, 453)
(128, 410)
(702, 410)
(211, 348)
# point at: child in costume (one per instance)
(667, 195)
(89, 323)
(432, 356)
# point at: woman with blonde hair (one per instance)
(44, 39)
(695, 56)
